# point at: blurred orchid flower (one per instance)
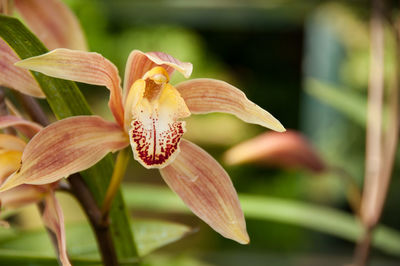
(53, 23)
(288, 150)
(11, 149)
(149, 121)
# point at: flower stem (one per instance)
(100, 226)
(116, 179)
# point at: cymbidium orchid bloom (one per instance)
(53, 23)
(147, 115)
(11, 149)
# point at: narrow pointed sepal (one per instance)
(65, 147)
(139, 63)
(53, 219)
(207, 190)
(28, 128)
(86, 67)
(14, 77)
(210, 95)
(21, 196)
(53, 22)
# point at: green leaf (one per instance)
(29, 258)
(65, 99)
(150, 235)
(323, 219)
(352, 105)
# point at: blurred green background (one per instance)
(306, 62)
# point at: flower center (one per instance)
(155, 80)
(155, 108)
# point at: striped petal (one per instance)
(10, 142)
(65, 147)
(53, 219)
(209, 95)
(21, 196)
(86, 67)
(15, 77)
(139, 63)
(28, 128)
(207, 190)
(53, 22)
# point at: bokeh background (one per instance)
(306, 62)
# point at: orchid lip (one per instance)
(154, 129)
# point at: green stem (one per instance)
(116, 179)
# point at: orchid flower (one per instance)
(147, 115)
(54, 24)
(11, 149)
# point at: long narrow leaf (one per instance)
(323, 219)
(65, 99)
(150, 235)
(350, 104)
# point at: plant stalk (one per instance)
(116, 179)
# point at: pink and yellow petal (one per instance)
(53, 22)
(139, 63)
(209, 95)
(14, 77)
(53, 219)
(207, 190)
(65, 147)
(86, 67)
(21, 196)
(28, 128)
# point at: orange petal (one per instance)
(65, 147)
(139, 63)
(288, 150)
(28, 128)
(10, 142)
(53, 219)
(91, 68)
(14, 77)
(10, 161)
(210, 95)
(53, 22)
(207, 190)
(21, 196)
